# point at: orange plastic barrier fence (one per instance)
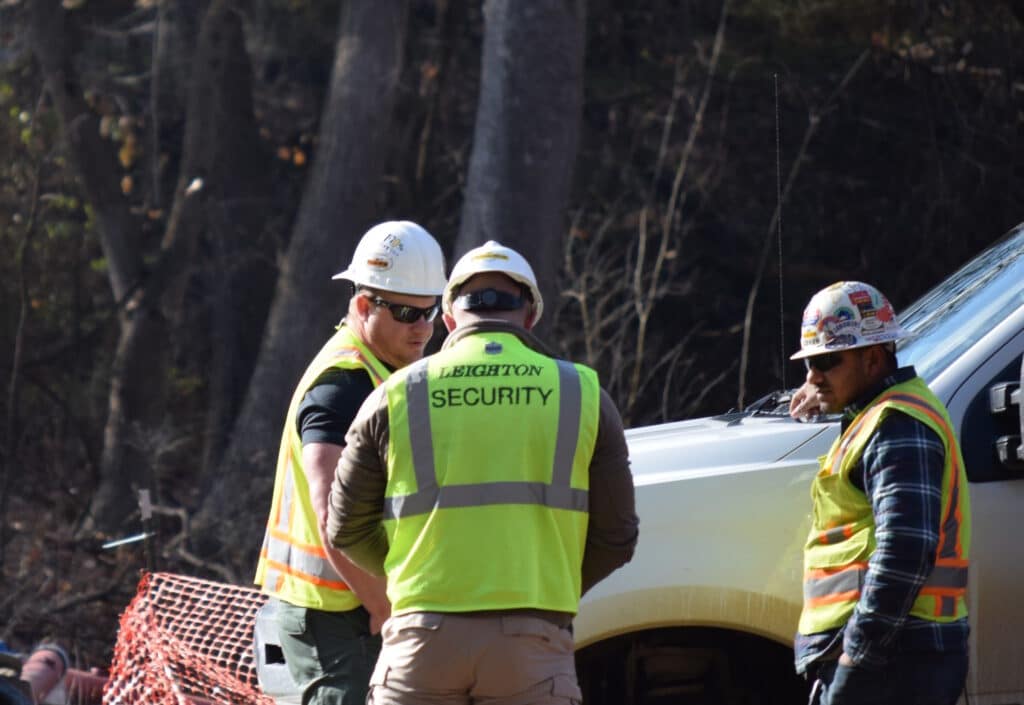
(184, 640)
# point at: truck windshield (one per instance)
(950, 318)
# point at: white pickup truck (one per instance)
(707, 609)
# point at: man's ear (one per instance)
(531, 318)
(362, 306)
(877, 360)
(449, 321)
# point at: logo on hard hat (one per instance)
(392, 243)
(380, 262)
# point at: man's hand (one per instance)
(318, 461)
(845, 660)
(804, 404)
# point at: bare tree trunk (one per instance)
(220, 175)
(222, 200)
(527, 130)
(174, 44)
(93, 160)
(118, 233)
(336, 208)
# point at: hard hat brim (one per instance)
(361, 280)
(890, 337)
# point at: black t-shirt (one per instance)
(330, 405)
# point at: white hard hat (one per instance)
(493, 257)
(847, 315)
(397, 256)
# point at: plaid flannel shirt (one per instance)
(900, 471)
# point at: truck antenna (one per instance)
(778, 200)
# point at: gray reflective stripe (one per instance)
(284, 509)
(570, 406)
(848, 580)
(947, 606)
(421, 441)
(834, 535)
(951, 526)
(277, 550)
(271, 578)
(558, 495)
(947, 577)
(298, 560)
(483, 494)
(285, 553)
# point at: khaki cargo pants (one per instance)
(431, 658)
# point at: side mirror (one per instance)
(1003, 397)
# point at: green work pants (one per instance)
(330, 655)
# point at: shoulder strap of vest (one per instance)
(901, 398)
(351, 348)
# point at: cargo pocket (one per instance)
(406, 661)
(406, 638)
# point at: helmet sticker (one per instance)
(844, 340)
(379, 261)
(491, 255)
(847, 315)
(392, 243)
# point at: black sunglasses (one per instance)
(490, 300)
(823, 362)
(404, 313)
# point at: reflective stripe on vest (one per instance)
(287, 556)
(824, 586)
(486, 504)
(557, 495)
(293, 564)
(831, 592)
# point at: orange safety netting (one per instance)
(184, 640)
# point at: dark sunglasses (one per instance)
(823, 362)
(404, 313)
(490, 300)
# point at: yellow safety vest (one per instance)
(486, 505)
(293, 565)
(842, 536)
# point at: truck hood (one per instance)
(716, 444)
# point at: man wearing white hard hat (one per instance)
(329, 612)
(884, 619)
(490, 484)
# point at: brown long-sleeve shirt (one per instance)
(357, 494)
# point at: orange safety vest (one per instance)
(842, 536)
(293, 564)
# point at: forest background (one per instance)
(179, 180)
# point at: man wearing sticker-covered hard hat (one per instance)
(884, 618)
(329, 612)
(490, 484)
